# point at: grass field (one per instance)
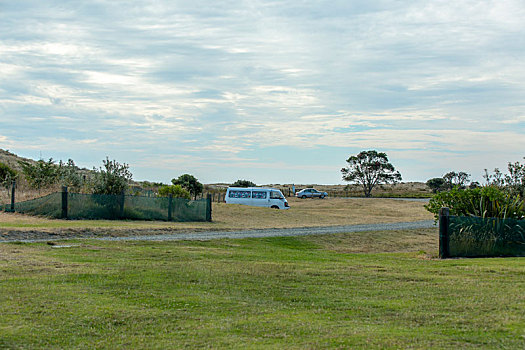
(359, 290)
(356, 290)
(304, 213)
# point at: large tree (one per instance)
(437, 184)
(190, 183)
(459, 179)
(368, 169)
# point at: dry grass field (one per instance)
(317, 212)
(303, 213)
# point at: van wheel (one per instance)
(303, 197)
(275, 207)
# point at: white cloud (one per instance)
(229, 78)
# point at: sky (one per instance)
(269, 91)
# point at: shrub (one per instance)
(69, 174)
(243, 183)
(40, 174)
(485, 202)
(513, 182)
(7, 175)
(175, 190)
(112, 179)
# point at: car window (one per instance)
(275, 195)
(239, 194)
(259, 194)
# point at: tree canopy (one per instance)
(190, 183)
(459, 179)
(369, 168)
(243, 183)
(436, 184)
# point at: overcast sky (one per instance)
(269, 91)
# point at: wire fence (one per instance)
(67, 205)
(462, 236)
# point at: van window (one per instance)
(275, 195)
(239, 194)
(259, 194)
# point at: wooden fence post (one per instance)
(444, 220)
(64, 202)
(208, 207)
(170, 204)
(13, 186)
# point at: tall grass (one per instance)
(485, 221)
(475, 236)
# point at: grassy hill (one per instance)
(12, 160)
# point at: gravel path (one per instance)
(36, 236)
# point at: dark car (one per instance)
(310, 193)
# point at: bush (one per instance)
(243, 183)
(69, 175)
(485, 202)
(41, 174)
(7, 175)
(513, 182)
(175, 190)
(112, 179)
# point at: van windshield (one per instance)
(276, 195)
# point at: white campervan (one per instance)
(257, 196)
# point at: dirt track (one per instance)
(163, 234)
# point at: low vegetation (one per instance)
(485, 202)
(175, 190)
(7, 176)
(503, 195)
(112, 178)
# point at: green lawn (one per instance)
(304, 292)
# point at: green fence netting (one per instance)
(475, 236)
(49, 206)
(116, 207)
